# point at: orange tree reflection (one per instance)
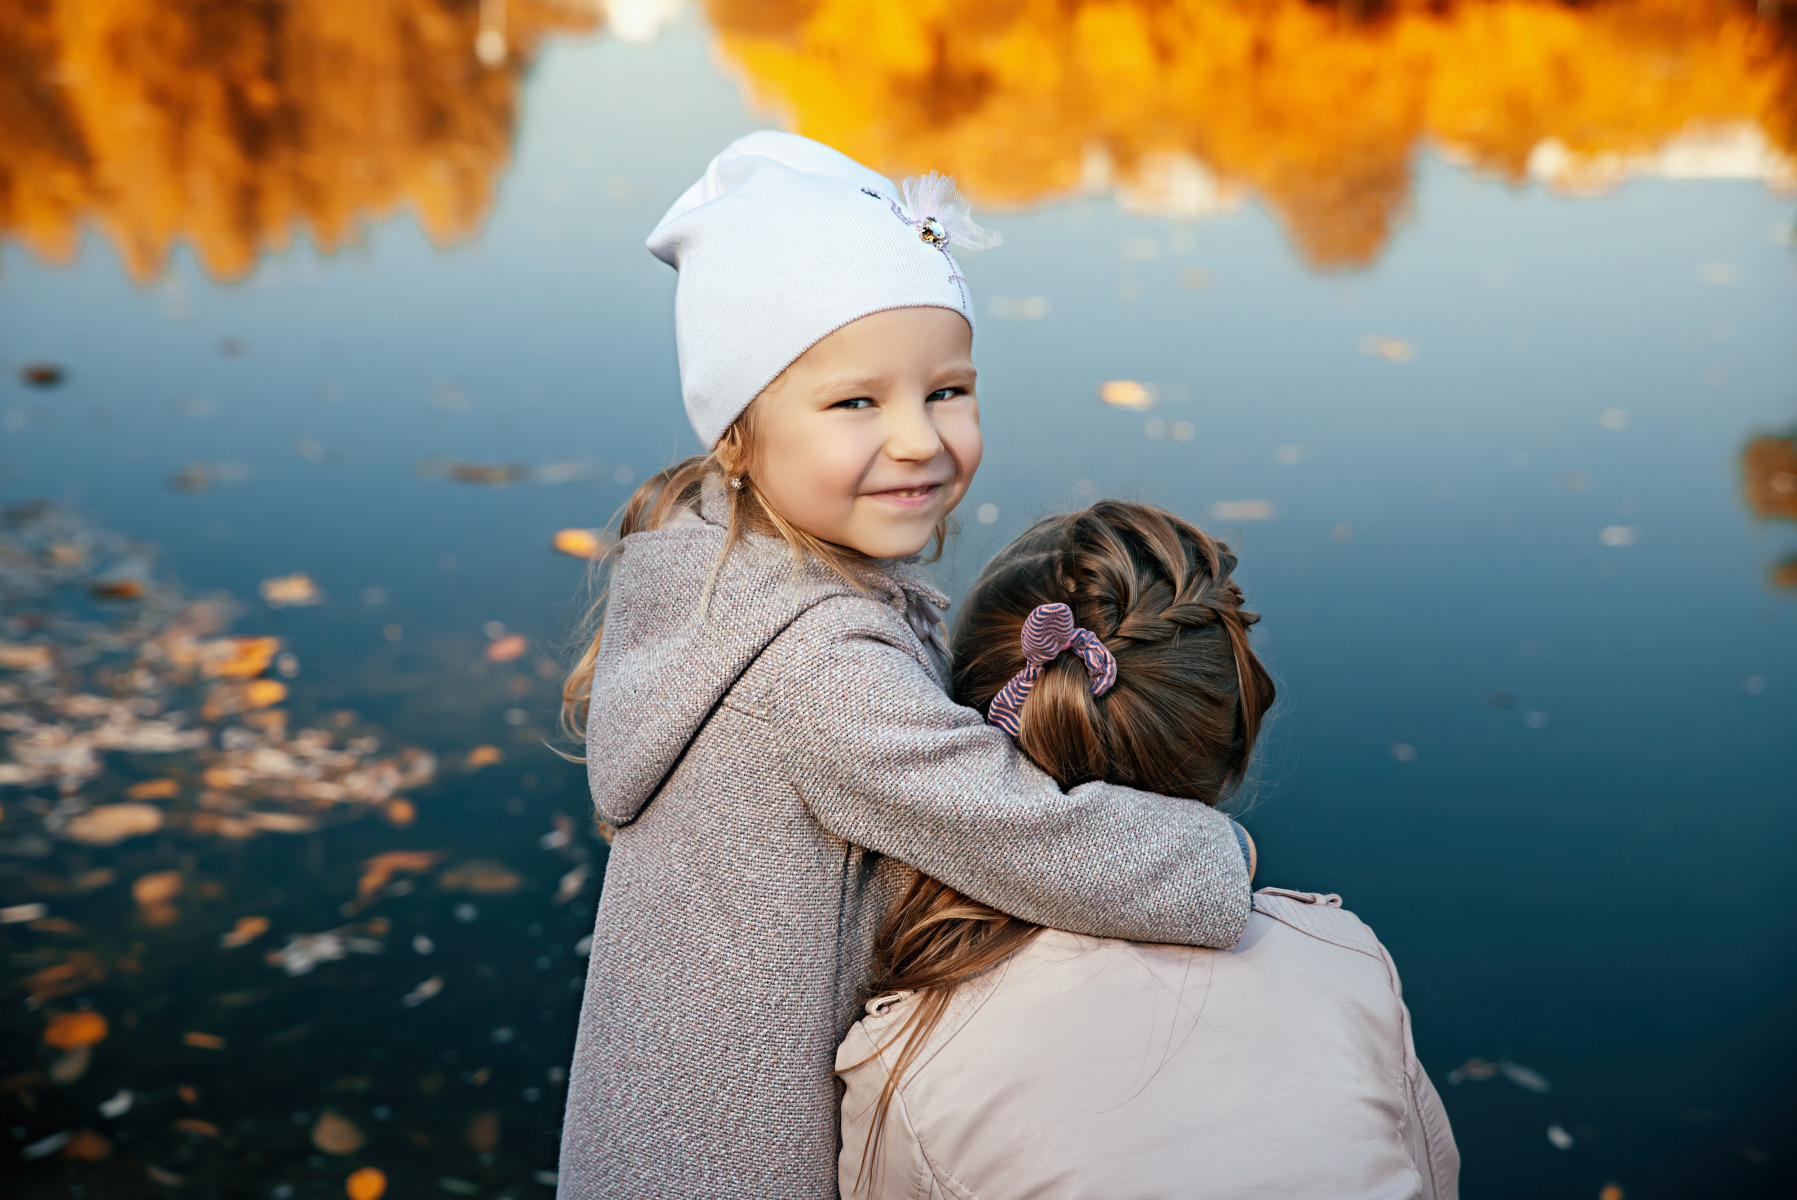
(1187, 106)
(234, 124)
(1769, 486)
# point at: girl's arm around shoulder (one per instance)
(886, 761)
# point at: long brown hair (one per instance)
(1181, 719)
(656, 501)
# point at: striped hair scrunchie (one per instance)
(1047, 633)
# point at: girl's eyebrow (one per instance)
(853, 384)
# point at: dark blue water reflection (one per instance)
(1538, 693)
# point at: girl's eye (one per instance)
(947, 393)
(857, 402)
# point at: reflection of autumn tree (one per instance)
(1316, 108)
(1769, 485)
(234, 124)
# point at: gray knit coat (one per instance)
(751, 868)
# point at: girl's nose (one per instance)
(910, 433)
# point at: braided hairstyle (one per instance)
(1181, 719)
(1190, 695)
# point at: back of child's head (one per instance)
(1182, 717)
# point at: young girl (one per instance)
(766, 722)
(1007, 1060)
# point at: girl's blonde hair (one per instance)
(654, 504)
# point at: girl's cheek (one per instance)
(966, 444)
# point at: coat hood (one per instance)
(669, 654)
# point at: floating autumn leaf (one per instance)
(203, 1041)
(158, 887)
(505, 649)
(223, 778)
(227, 698)
(245, 931)
(281, 822)
(378, 871)
(369, 1183)
(119, 587)
(75, 1030)
(418, 995)
(153, 789)
(480, 876)
(71, 1066)
(154, 894)
(291, 591)
(41, 375)
(482, 1134)
(80, 971)
(484, 756)
(240, 657)
(335, 1133)
(1389, 348)
(580, 543)
(110, 824)
(1126, 393)
(486, 474)
(195, 1125)
(399, 812)
(87, 1146)
(571, 885)
(17, 657)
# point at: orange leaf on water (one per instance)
(87, 1146)
(507, 648)
(370, 1183)
(158, 887)
(378, 871)
(70, 1031)
(247, 930)
(335, 1133)
(580, 543)
(260, 693)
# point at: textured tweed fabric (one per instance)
(732, 948)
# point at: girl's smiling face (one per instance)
(871, 436)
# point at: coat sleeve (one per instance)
(886, 761)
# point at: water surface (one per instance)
(1536, 673)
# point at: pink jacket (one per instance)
(1089, 1067)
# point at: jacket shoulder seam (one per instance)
(1312, 922)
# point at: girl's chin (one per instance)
(890, 542)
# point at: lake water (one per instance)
(1509, 464)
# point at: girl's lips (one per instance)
(911, 497)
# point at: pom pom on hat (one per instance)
(782, 242)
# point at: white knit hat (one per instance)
(784, 241)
